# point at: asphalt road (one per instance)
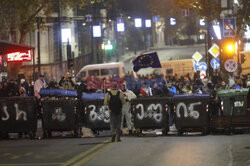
(149, 150)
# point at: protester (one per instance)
(23, 92)
(171, 89)
(39, 84)
(13, 88)
(53, 84)
(67, 82)
(114, 100)
(128, 96)
(82, 88)
(4, 91)
(145, 90)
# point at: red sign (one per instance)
(19, 56)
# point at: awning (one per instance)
(8, 47)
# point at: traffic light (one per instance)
(242, 58)
(228, 48)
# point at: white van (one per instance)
(103, 70)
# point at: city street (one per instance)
(191, 150)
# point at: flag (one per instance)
(146, 60)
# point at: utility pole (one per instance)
(38, 46)
(59, 37)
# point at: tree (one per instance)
(242, 16)
(21, 15)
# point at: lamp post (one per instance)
(59, 37)
(38, 45)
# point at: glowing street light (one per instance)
(97, 32)
(148, 23)
(138, 22)
(172, 21)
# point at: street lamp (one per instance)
(148, 23)
(97, 31)
(138, 22)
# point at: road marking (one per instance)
(28, 154)
(15, 157)
(89, 157)
(32, 164)
(74, 159)
(230, 155)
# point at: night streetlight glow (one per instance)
(120, 27)
(138, 22)
(230, 48)
(97, 31)
(148, 23)
(172, 21)
(202, 22)
(66, 35)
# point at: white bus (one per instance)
(103, 70)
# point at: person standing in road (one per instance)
(114, 99)
(128, 96)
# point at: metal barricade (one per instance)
(60, 115)
(192, 113)
(96, 115)
(18, 115)
(151, 113)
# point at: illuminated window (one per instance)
(120, 27)
(138, 23)
(148, 23)
(66, 35)
(97, 32)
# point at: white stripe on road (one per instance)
(229, 149)
(21, 164)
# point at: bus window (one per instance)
(110, 71)
(93, 72)
(83, 74)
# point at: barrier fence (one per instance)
(18, 114)
(189, 112)
(151, 113)
(59, 115)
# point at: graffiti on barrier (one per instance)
(58, 114)
(188, 111)
(101, 114)
(152, 111)
(20, 114)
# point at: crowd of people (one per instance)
(148, 85)
(130, 87)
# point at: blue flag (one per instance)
(146, 60)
